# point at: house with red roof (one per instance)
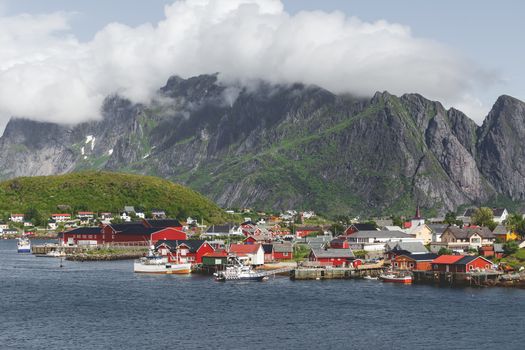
(460, 263)
(254, 253)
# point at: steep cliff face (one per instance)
(501, 151)
(283, 146)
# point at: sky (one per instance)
(59, 58)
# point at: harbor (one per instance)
(107, 300)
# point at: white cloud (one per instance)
(47, 74)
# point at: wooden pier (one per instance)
(481, 278)
(325, 273)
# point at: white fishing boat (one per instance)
(23, 245)
(154, 263)
(240, 272)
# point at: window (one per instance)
(411, 264)
(470, 267)
(285, 254)
(395, 263)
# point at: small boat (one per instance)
(154, 263)
(396, 278)
(240, 272)
(368, 277)
(23, 245)
(56, 254)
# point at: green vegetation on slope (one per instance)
(105, 191)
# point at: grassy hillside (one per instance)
(104, 191)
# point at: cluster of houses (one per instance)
(82, 218)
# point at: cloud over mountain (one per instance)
(48, 74)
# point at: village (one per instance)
(426, 250)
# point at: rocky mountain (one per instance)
(284, 146)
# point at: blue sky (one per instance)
(486, 35)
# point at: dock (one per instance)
(327, 272)
(478, 278)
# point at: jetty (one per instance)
(478, 278)
(328, 272)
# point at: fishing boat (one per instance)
(396, 278)
(23, 245)
(240, 272)
(154, 263)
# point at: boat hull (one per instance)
(402, 280)
(24, 250)
(168, 269)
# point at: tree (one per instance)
(445, 251)
(396, 221)
(510, 247)
(484, 217)
(516, 223)
(450, 218)
(33, 215)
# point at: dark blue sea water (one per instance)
(104, 305)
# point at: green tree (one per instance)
(450, 218)
(396, 221)
(516, 223)
(484, 217)
(445, 251)
(33, 215)
(510, 247)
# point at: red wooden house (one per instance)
(189, 250)
(283, 251)
(332, 257)
(303, 231)
(420, 262)
(460, 263)
(339, 243)
(132, 233)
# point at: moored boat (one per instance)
(240, 272)
(23, 245)
(396, 278)
(153, 263)
(56, 254)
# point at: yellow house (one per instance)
(422, 232)
(503, 234)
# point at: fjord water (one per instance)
(104, 305)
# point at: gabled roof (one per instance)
(192, 244)
(244, 248)
(379, 234)
(468, 232)
(333, 253)
(447, 259)
(86, 231)
(411, 247)
(500, 230)
(392, 228)
(364, 227)
(438, 228)
(283, 247)
(469, 258)
(162, 223)
(268, 248)
(421, 257)
(498, 211)
(224, 228)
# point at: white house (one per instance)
(61, 217)
(17, 217)
(253, 252)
